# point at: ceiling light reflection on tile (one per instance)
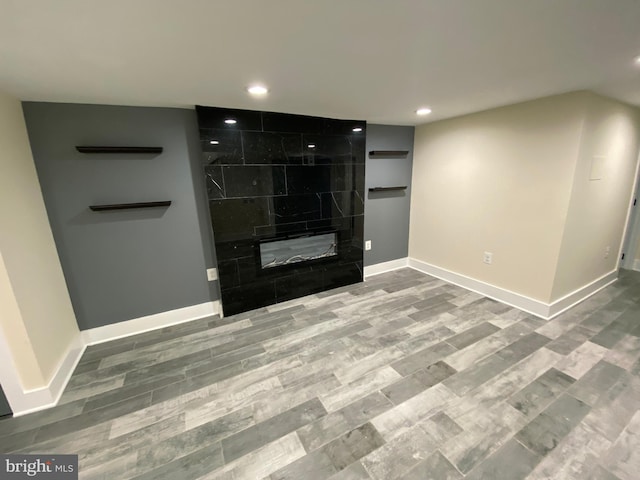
(357, 129)
(230, 121)
(312, 145)
(214, 142)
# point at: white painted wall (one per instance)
(515, 181)
(601, 194)
(497, 181)
(36, 316)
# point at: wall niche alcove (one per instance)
(286, 197)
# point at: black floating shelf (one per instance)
(388, 153)
(92, 149)
(387, 189)
(128, 206)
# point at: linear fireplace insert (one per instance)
(276, 253)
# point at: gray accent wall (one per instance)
(122, 265)
(386, 220)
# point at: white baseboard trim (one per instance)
(528, 304)
(384, 267)
(536, 307)
(572, 299)
(147, 323)
(47, 397)
(636, 265)
(28, 401)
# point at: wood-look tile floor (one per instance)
(403, 376)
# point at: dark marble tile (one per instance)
(214, 117)
(284, 122)
(281, 229)
(254, 181)
(298, 285)
(233, 218)
(338, 275)
(228, 272)
(295, 208)
(342, 204)
(265, 432)
(344, 127)
(226, 149)
(272, 148)
(214, 182)
(248, 296)
(327, 149)
(320, 179)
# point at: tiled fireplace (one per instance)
(286, 196)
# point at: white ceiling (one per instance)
(376, 60)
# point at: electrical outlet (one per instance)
(607, 251)
(212, 274)
(367, 245)
(487, 258)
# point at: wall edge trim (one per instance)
(48, 396)
(107, 333)
(384, 267)
(580, 294)
(517, 300)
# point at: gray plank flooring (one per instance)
(401, 377)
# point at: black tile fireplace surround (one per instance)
(274, 176)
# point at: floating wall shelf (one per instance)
(387, 189)
(388, 153)
(128, 206)
(93, 149)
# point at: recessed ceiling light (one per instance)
(423, 111)
(214, 142)
(357, 129)
(257, 90)
(312, 145)
(637, 60)
(230, 121)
